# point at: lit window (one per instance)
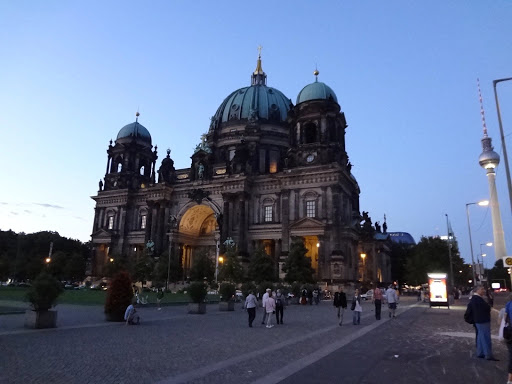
(310, 208)
(143, 222)
(268, 213)
(274, 157)
(111, 222)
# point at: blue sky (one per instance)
(74, 73)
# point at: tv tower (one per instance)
(489, 160)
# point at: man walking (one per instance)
(377, 299)
(340, 302)
(263, 302)
(391, 298)
(280, 303)
(250, 304)
(480, 312)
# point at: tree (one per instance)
(75, 267)
(400, 253)
(261, 267)
(431, 255)
(202, 267)
(143, 268)
(4, 266)
(498, 273)
(298, 265)
(231, 269)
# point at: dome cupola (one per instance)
(254, 103)
(135, 131)
(316, 91)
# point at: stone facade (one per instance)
(267, 171)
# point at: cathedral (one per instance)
(267, 171)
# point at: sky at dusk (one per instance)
(74, 73)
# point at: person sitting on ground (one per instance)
(130, 315)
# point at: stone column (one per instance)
(242, 224)
(285, 221)
(225, 219)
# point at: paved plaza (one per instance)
(422, 345)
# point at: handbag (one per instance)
(353, 306)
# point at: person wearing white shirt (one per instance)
(263, 302)
(391, 298)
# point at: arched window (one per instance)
(119, 167)
(309, 133)
(141, 171)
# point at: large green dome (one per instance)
(257, 102)
(316, 91)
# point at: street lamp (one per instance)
(507, 170)
(363, 256)
(488, 244)
(482, 203)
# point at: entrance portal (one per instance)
(197, 230)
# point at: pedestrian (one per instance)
(480, 313)
(377, 300)
(418, 294)
(310, 296)
(508, 319)
(422, 295)
(490, 297)
(392, 299)
(266, 295)
(251, 302)
(130, 315)
(340, 302)
(159, 297)
(316, 296)
(356, 308)
(280, 304)
(270, 308)
(304, 294)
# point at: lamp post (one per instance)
(502, 135)
(363, 256)
(217, 246)
(450, 235)
(482, 204)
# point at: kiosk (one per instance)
(437, 287)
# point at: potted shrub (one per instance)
(197, 292)
(119, 297)
(42, 295)
(227, 301)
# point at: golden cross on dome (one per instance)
(259, 50)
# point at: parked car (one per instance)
(368, 295)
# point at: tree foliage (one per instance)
(26, 253)
(143, 268)
(431, 255)
(202, 267)
(231, 269)
(261, 267)
(298, 265)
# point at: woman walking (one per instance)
(340, 302)
(356, 308)
(270, 307)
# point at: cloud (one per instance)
(49, 205)
(2, 203)
(80, 218)
(27, 211)
(14, 213)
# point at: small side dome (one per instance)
(134, 130)
(316, 91)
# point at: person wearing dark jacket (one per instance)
(480, 312)
(340, 302)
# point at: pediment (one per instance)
(307, 223)
(102, 233)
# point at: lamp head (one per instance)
(483, 203)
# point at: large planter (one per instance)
(40, 319)
(197, 308)
(115, 316)
(226, 306)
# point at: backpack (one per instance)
(279, 301)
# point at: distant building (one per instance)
(267, 171)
